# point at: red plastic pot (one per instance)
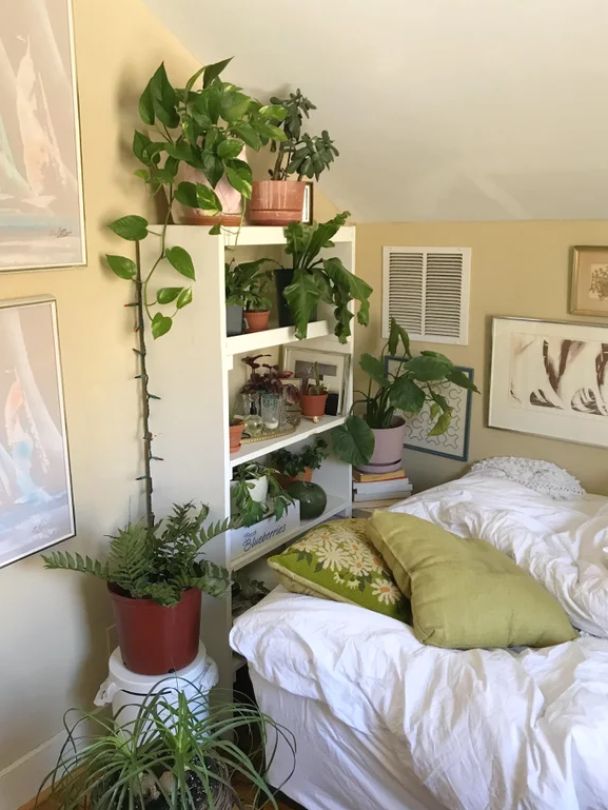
(157, 639)
(256, 321)
(313, 405)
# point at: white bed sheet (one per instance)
(483, 730)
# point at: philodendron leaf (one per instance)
(406, 395)
(374, 368)
(197, 195)
(427, 368)
(181, 260)
(184, 298)
(131, 227)
(353, 441)
(302, 297)
(442, 424)
(168, 294)
(239, 181)
(461, 379)
(160, 325)
(122, 266)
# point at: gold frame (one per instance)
(579, 265)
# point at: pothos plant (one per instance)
(316, 278)
(246, 510)
(407, 386)
(297, 152)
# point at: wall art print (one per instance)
(41, 210)
(454, 443)
(589, 280)
(551, 379)
(36, 507)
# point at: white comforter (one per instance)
(491, 730)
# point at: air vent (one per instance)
(426, 290)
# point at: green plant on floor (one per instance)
(408, 388)
(158, 562)
(248, 284)
(297, 152)
(291, 463)
(172, 756)
(317, 278)
(245, 510)
(246, 593)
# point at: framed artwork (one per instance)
(589, 280)
(41, 208)
(454, 443)
(550, 379)
(36, 508)
(333, 366)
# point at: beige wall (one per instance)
(53, 632)
(518, 268)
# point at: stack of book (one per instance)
(379, 489)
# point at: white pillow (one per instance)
(541, 476)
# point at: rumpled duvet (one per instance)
(487, 730)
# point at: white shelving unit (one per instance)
(195, 369)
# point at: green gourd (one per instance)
(312, 498)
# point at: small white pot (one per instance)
(258, 489)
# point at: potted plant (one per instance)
(236, 427)
(279, 201)
(373, 441)
(312, 278)
(313, 395)
(173, 756)
(247, 293)
(155, 575)
(257, 493)
(299, 466)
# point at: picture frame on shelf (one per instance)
(333, 366)
(548, 379)
(589, 280)
(36, 504)
(454, 443)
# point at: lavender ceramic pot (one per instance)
(388, 449)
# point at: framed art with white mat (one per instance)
(454, 443)
(333, 367)
(550, 378)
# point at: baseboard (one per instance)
(19, 782)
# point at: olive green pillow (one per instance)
(337, 561)
(465, 593)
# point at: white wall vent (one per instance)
(426, 290)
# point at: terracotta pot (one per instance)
(257, 321)
(388, 449)
(305, 475)
(313, 405)
(157, 639)
(276, 202)
(229, 197)
(236, 433)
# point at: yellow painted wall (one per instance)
(53, 648)
(518, 268)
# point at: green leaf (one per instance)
(234, 105)
(168, 294)
(211, 72)
(181, 260)
(192, 80)
(442, 424)
(406, 395)
(302, 297)
(159, 100)
(130, 227)
(216, 230)
(353, 441)
(230, 148)
(197, 195)
(160, 325)
(184, 298)
(146, 106)
(141, 143)
(427, 368)
(239, 182)
(374, 368)
(247, 134)
(123, 267)
(462, 380)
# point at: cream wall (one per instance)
(53, 632)
(518, 268)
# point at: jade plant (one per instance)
(318, 278)
(407, 386)
(297, 152)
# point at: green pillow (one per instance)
(336, 561)
(465, 593)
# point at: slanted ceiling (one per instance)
(442, 109)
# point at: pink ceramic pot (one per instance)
(388, 449)
(229, 197)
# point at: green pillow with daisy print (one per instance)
(336, 561)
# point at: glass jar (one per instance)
(251, 414)
(271, 404)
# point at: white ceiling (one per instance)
(441, 109)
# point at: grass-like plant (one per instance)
(177, 753)
(157, 562)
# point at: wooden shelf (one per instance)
(240, 344)
(334, 506)
(305, 429)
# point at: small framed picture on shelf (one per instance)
(333, 367)
(589, 280)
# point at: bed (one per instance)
(383, 721)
